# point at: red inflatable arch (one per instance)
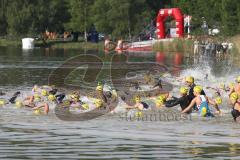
(177, 15)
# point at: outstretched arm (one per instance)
(172, 103)
(190, 106)
(212, 102)
(131, 107)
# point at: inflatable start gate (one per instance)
(160, 31)
(177, 15)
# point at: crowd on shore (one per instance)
(211, 48)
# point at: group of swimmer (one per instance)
(41, 97)
(193, 98)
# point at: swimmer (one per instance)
(190, 83)
(236, 87)
(161, 100)
(75, 101)
(45, 108)
(14, 97)
(235, 106)
(100, 93)
(183, 101)
(11, 100)
(139, 104)
(201, 102)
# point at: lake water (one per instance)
(26, 136)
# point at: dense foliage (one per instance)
(119, 18)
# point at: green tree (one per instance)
(230, 20)
(121, 19)
(3, 19)
(80, 15)
(19, 16)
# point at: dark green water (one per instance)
(25, 136)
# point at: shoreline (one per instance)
(177, 45)
(55, 44)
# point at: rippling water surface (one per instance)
(25, 136)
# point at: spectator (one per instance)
(208, 48)
(224, 47)
(218, 49)
(196, 47)
(213, 49)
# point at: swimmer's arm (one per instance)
(38, 107)
(131, 107)
(172, 103)
(190, 106)
(212, 102)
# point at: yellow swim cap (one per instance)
(99, 88)
(19, 104)
(218, 100)
(85, 106)
(37, 97)
(160, 100)
(204, 112)
(222, 85)
(114, 93)
(234, 96)
(197, 89)
(238, 79)
(2, 102)
(189, 79)
(137, 99)
(98, 103)
(75, 97)
(138, 114)
(37, 112)
(231, 85)
(44, 92)
(51, 97)
(183, 90)
(66, 103)
(35, 88)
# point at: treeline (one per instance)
(119, 18)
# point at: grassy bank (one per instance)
(236, 44)
(177, 45)
(76, 45)
(55, 44)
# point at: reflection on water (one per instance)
(24, 136)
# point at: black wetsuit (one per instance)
(145, 105)
(182, 101)
(235, 113)
(190, 93)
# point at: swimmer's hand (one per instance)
(219, 113)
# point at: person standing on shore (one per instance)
(196, 47)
